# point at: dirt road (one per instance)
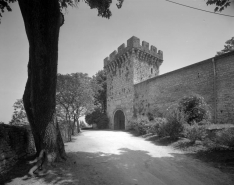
(115, 158)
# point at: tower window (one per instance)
(151, 70)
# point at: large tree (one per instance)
(100, 87)
(74, 96)
(42, 20)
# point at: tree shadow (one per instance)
(219, 158)
(128, 167)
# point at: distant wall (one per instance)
(15, 142)
(213, 79)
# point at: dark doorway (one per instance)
(119, 120)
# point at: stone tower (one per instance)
(130, 65)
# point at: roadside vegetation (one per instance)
(187, 126)
(97, 117)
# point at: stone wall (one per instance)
(15, 142)
(131, 64)
(213, 79)
(120, 91)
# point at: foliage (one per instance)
(220, 4)
(140, 124)
(195, 132)
(154, 125)
(74, 95)
(228, 47)
(102, 6)
(100, 87)
(97, 117)
(225, 137)
(39, 95)
(194, 108)
(19, 116)
(82, 124)
(174, 125)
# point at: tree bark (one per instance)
(42, 19)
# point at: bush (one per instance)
(174, 125)
(194, 108)
(171, 127)
(140, 124)
(225, 138)
(97, 117)
(154, 125)
(195, 132)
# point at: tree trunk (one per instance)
(78, 125)
(73, 125)
(42, 19)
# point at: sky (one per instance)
(185, 36)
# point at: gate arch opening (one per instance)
(119, 120)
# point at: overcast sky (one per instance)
(185, 36)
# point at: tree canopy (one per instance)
(220, 5)
(74, 95)
(103, 6)
(229, 46)
(19, 116)
(100, 87)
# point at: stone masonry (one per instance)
(130, 65)
(135, 87)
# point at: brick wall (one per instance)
(213, 79)
(15, 142)
(225, 88)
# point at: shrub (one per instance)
(97, 117)
(195, 132)
(174, 125)
(171, 127)
(225, 138)
(153, 126)
(140, 124)
(195, 108)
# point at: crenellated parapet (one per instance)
(141, 51)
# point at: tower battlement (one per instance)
(134, 42)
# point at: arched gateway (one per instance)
(119, 120)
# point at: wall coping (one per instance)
(189, 66)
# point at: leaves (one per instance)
(4, 4)
(220, 4)
(228, 47)
(100, 87)
(19, 116)
(74, 95)
(103, 6)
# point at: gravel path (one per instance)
(115, 158)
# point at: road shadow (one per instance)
(222, 159)
(128, 167)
